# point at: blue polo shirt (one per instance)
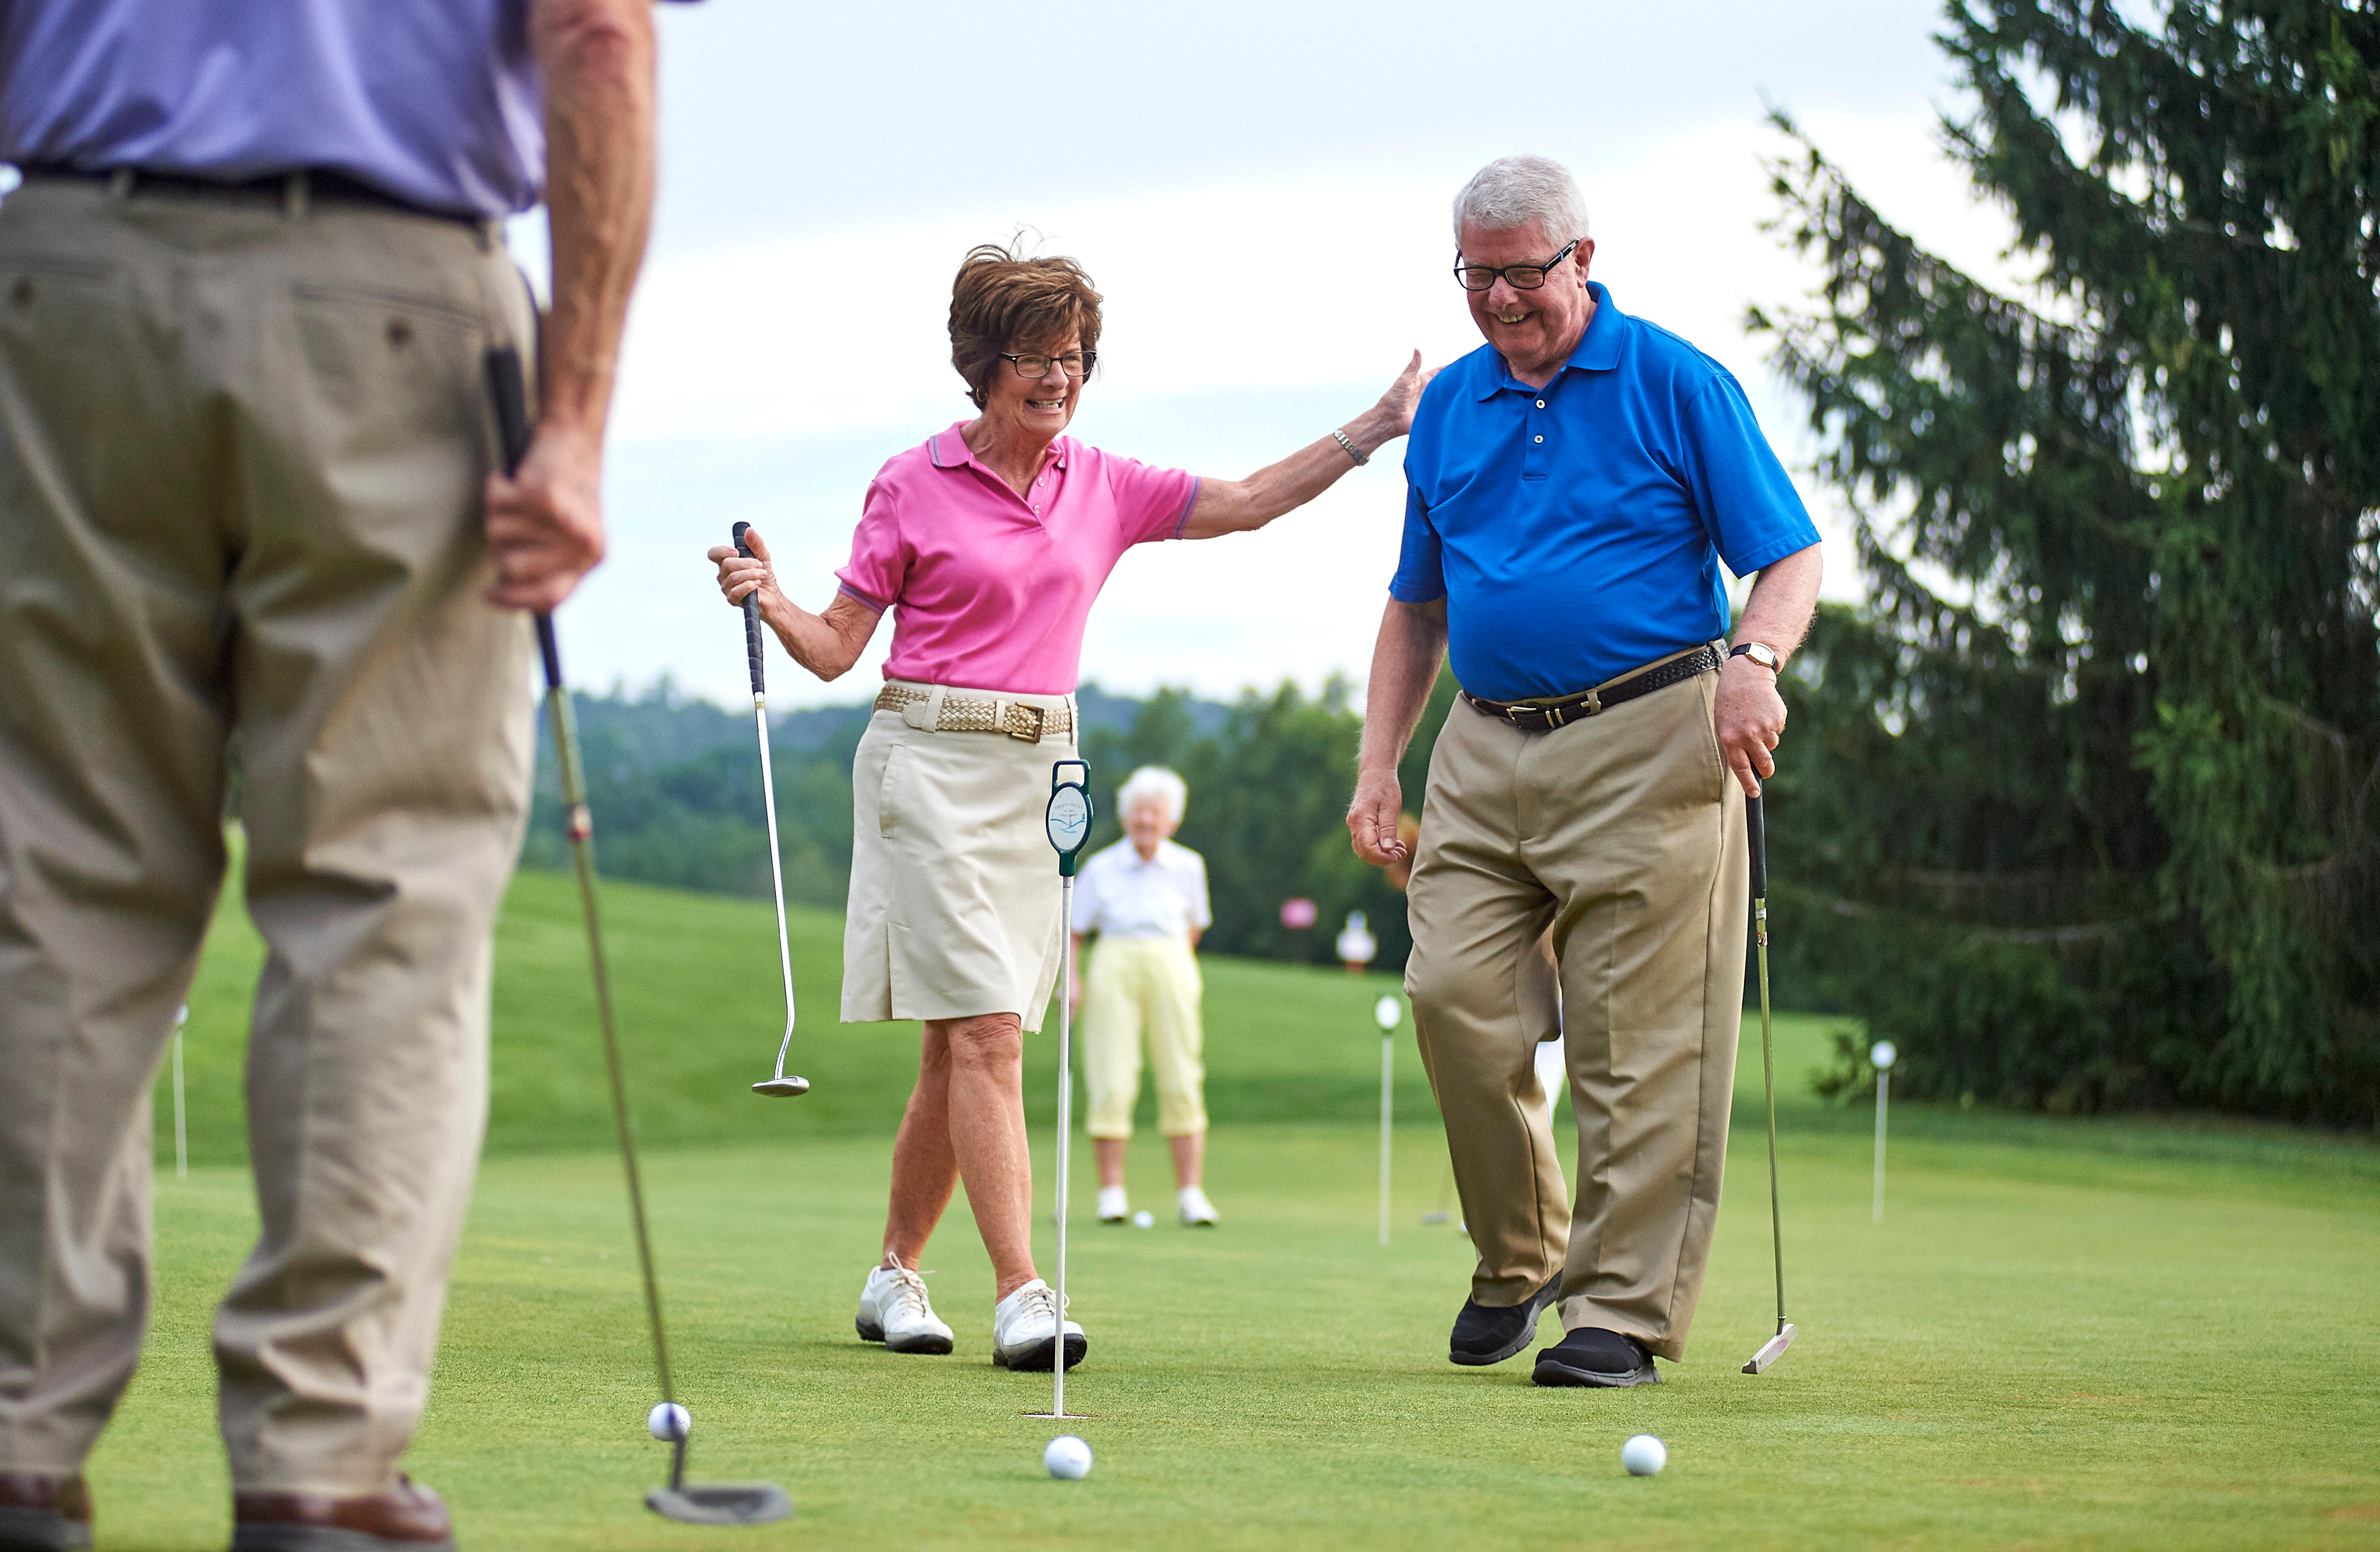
(1577, 531)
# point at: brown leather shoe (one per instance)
(411, 1519)
(44, 1513)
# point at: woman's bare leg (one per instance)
(1189, 1158)
(966, 1122)
(1110, 1153)
(924, 1171)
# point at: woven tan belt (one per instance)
(965, 713)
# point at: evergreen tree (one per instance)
(2088, 820)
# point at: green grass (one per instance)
(2071, 1334)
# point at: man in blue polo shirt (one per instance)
(247, 500)
(1576, 485)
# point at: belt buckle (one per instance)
(1040, 719)
(1594, 703)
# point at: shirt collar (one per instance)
(1597, 349)
(948, 450)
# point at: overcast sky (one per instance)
(1260, 191)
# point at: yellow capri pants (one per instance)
(1136, 983)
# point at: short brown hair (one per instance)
(1003, 301)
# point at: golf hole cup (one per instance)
(1643, 1456)
(1068, 1458)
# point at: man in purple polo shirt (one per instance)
(247, 493)
(1575, 486)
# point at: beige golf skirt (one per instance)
(954, 893)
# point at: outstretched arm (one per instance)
(826, 643)
(1750, 715)
(1404, 665)
(1238, 506)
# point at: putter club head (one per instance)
(1772, 1350)
(721, 1503)
(782, 1088)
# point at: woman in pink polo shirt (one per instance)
(989, 543)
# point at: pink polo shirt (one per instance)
(990, 590)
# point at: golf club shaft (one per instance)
(1065, 1125)
(776, 875)
(1756, 829)
(507, 390)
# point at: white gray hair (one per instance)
(1516, 190)
(1154, 782)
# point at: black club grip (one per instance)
(508, 396)
(1756, 830)
(752, 659)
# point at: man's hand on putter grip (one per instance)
(1372, 818)
(1748, 717)
(545, 524)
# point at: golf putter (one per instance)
(1756, 831)
(777, 1086)
(724, 1503)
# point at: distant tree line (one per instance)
(675, 784)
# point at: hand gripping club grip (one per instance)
(508, 395)
(1756, 830)
(751, 618)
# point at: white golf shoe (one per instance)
(1197, 1211)
(1025, 1329)
(892, 1310)
(1114, 1206)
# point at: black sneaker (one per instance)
(1486, 1334)
(1592, 1355)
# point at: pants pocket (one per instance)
(889, 791)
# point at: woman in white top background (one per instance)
(1146, 898)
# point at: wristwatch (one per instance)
(1758, 652)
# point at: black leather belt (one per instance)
(1543, 716)
(320, 183)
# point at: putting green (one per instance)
(2063, 1334)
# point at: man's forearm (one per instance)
(598, 60)
(1783, 599)
(1405, 667)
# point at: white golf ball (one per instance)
(1068, 1458)
(1144, 1218)
(669, 1422)
(1643, 1456)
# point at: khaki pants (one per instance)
(241, 452)
(1592, 882)
(1133, 982)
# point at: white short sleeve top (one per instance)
(1120, 895)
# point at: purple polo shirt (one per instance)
(436, 103)
(990, 590)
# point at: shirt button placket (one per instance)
(1532, 441)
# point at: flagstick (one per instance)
(181, 1112)
(1882, 1055)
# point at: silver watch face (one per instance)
(1069, 818)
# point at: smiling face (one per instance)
(1535, 330)
(1148, 823)
(1035, 408)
